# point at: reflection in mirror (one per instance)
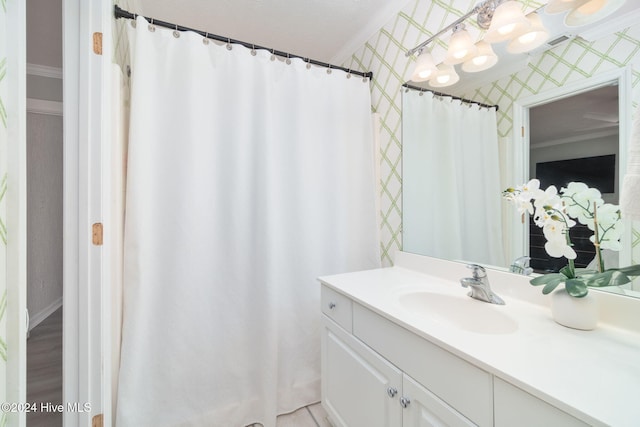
(575, 139)
(451, 200)
(451, 173)
(580, 59)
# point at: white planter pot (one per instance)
(576, 313)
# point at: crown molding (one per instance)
(613, 131)
(44, 71)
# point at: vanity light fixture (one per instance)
(559, 6)
(588, 11)
(503, 20)
(508, 21)
(446, 76)
(425, 67)
(530, 39)
(485, 59)
(461, 47)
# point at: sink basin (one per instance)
(459, 311)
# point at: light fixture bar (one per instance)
(483, 6)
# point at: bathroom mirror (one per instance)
(524, 114)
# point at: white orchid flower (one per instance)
(522, 195)
(608, 214)
(559, 248)
(579, 200)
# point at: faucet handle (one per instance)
(477, 271)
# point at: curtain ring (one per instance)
(288, 61)
(329, 69)
(229, 47)
(308, 61)
(151, 27)
(134, 21)
(349, 73)
(176, 33)
(205, 40)
(253, 50)
(273, 55)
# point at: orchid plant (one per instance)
(556, 212)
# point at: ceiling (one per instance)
(592, 113)
(324, 30)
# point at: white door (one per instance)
(13, 215)
(359, 388)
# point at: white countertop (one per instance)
(592, 375)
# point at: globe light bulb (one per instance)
(591, 7)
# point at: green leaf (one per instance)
(548, 278)
(576, 288)
(549, 287)
(608, 278)
(580, 272)
(631, 270)
(569, 272)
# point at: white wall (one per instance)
(44, 158)
(44, 215)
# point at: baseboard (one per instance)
(36, 319)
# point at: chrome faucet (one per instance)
(521, 266)
(479, 284)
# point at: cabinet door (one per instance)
(425, 409)
(516, 407)
(359, 388)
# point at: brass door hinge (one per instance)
(97, 421)
(96, 234)
(97, 43)
(522, 131)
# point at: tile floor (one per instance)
(309, 416)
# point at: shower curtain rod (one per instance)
(121, 13)
(466, 101)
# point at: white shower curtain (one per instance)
(451, 150)
(247, 178)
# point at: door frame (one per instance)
(16, 212)
(86, 294)
(519, 168)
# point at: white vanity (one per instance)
(405, 346)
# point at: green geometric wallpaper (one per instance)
(3, 192)
(384, 55)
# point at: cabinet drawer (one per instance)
(466, 388)
(516, 407)
(336, 306)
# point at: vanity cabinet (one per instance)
(360, 387)
(376, 373)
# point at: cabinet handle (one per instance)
(391, 391)
(332, 305)
(404, 402)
